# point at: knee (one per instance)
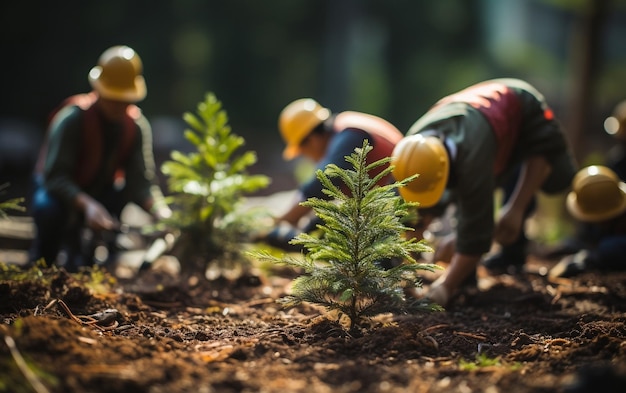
(47, 206)
(610, 252)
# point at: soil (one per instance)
(513, 333)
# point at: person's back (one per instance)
(312, 131)
(346, 131)
(504, 121)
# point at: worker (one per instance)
(312, 131)
(96, 159)
(615, 160)
(465, 147)
(598, 199)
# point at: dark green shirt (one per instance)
(475, 172)
(65, 141)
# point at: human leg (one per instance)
(609, 254)
(512, 257)
(54, 226)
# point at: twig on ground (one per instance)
(31, 377)
(84, 319)
(471, 335)
(435, 327)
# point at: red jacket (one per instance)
(502, 107)
(384, 136)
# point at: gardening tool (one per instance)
(159, 247)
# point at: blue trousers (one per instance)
(608, 253)
(60, 227)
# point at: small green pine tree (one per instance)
(10, 204)
(361, 228)
(207, 187)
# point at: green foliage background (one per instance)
(392, 58)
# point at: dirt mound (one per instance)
(92, 333)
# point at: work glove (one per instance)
(98, 218)
(438, 293)
(280, 237)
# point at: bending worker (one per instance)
(312, 131)
(97, 158)
(467, 145)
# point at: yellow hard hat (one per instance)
(597, 195)
(427, 157)
(615, 125)
(118, 75)
(297, 121)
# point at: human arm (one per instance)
(461, 267)
(97, 217)
(340, 145)
(141, 174)
(155, 205)
(62, 155)
(62, 148)
(288, 225)
(534, 172)
(444, 247)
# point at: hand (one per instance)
(161, 212)
(438, 293)
(509, 226)
(98, 218)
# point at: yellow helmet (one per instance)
(597, 194)
(427, 157)
(118, 75)
(297, 121)
(615, 125)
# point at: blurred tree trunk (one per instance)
(341, 16)
(585, 63)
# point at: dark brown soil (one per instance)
(514, 334)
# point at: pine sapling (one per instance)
(362, 228)
(207, 188)
(14, 204)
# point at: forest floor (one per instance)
(115, 331)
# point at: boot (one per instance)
(571, 265)
(510, 259)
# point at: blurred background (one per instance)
(391, 58)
